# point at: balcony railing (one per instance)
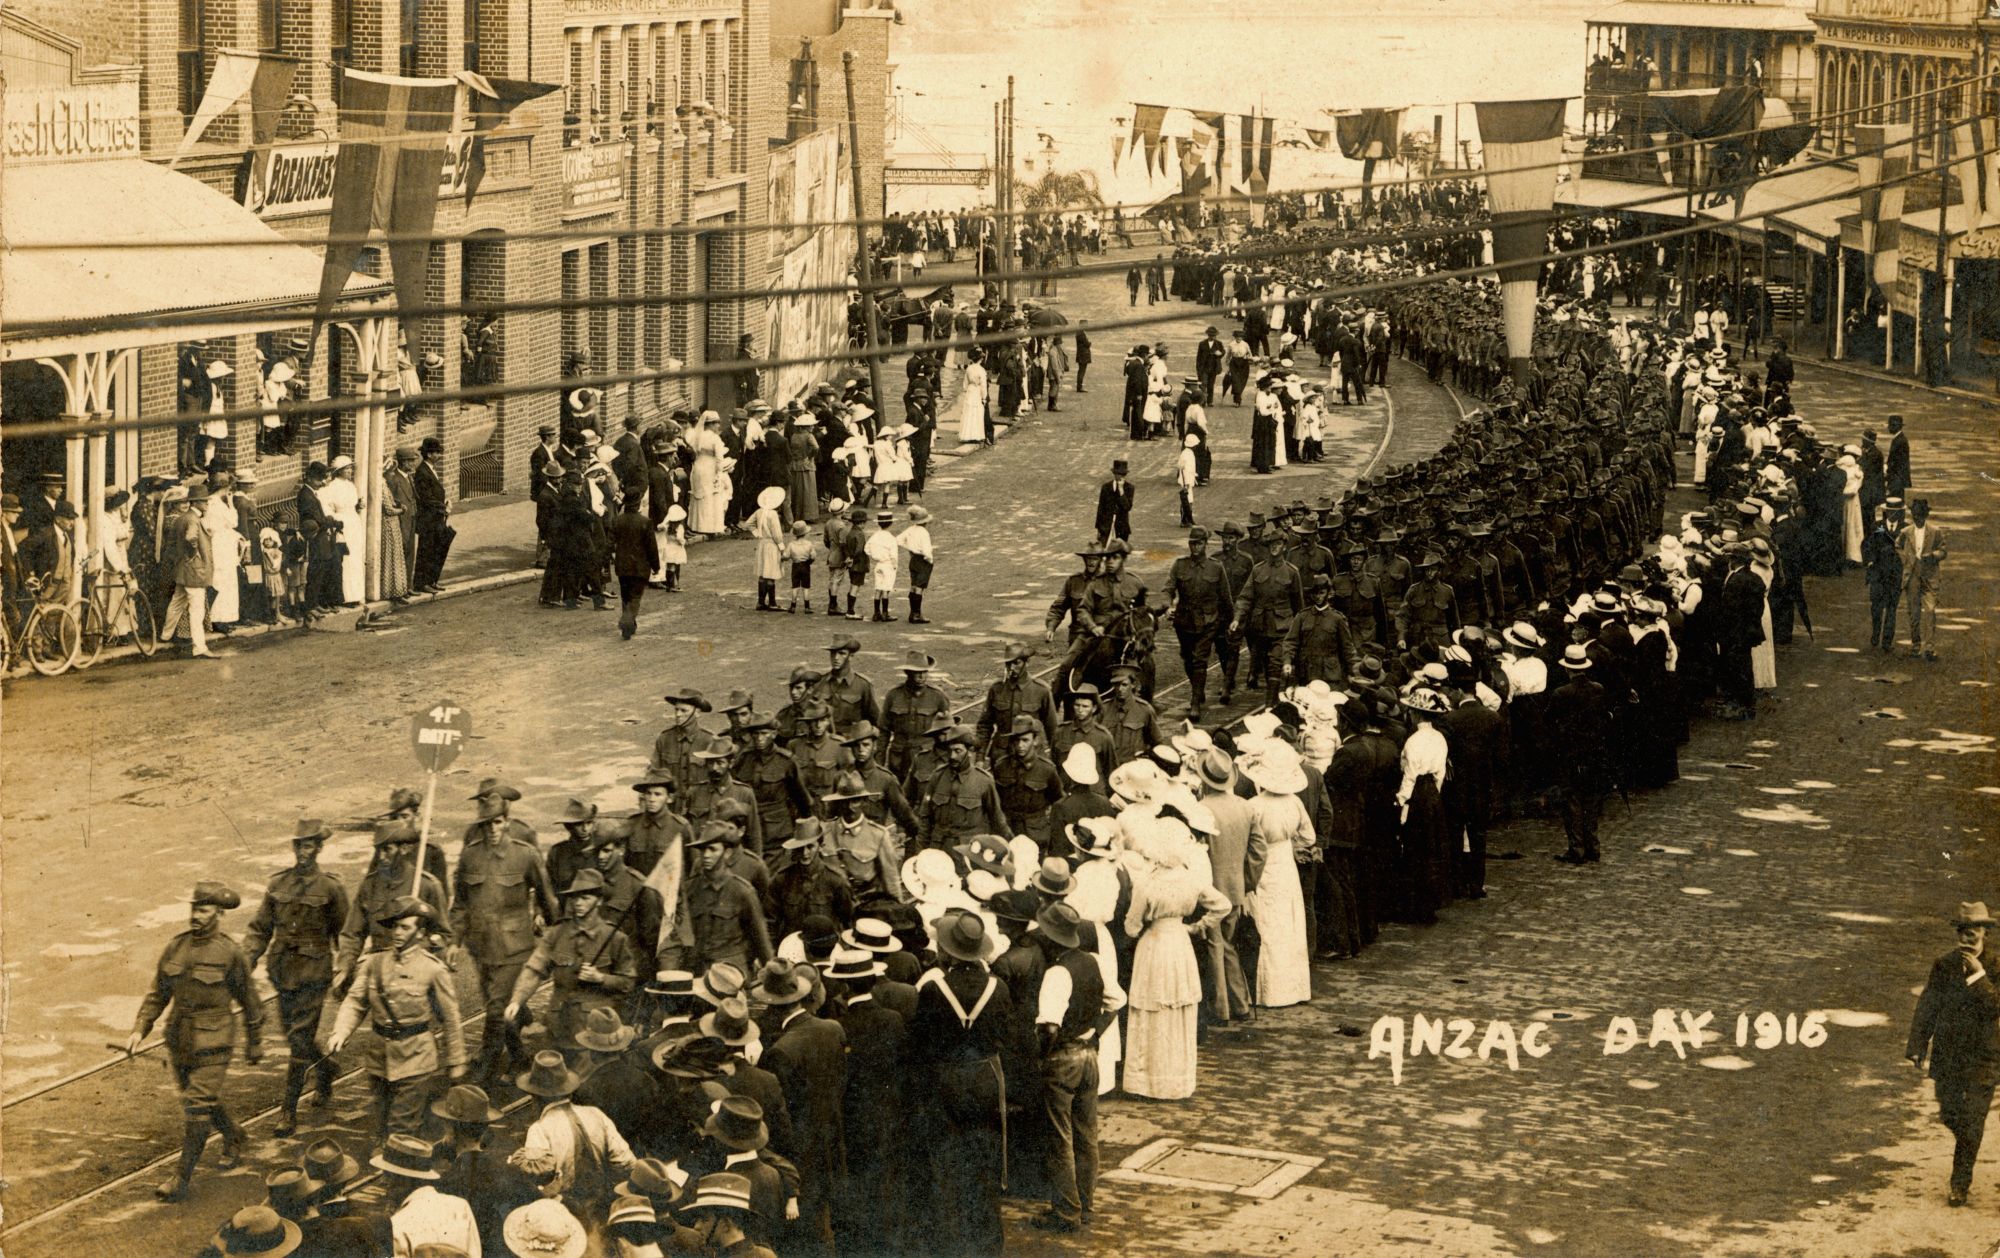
(1604, 85)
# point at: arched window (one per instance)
(1877, 89)
(1903, 104)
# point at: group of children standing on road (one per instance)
(855, 557)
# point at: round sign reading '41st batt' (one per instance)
(436, 734)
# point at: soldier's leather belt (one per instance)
(401, 1030)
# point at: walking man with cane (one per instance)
(1957, 1026)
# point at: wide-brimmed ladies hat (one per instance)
(1275, 768)
(771, 497)
(1523, 635)
(544, 1229)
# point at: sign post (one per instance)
(436, 733)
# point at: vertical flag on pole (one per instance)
(1974, 140)
(1523, 142)
(1880, 169)
(262, 78)
(392, 133)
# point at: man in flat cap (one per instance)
(295, 933)
(409, 1000)
(199, 976)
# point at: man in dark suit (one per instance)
(1896, 466)
(1882, 567)
(1874, 478)
(808, 1054)
(323, 560)
(1474, 732)
(1137, 375)
(1208, 359)
(1082, 355)
(1739, 627)
(1114, 505)
(635, 556)
(1579, 719)
(1957, 1025)
(434, 531)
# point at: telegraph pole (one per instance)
(1940, 360)
(1007, 222)
(865, 264)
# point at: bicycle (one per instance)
(50, 633)
(100, 612)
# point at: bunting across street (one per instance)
(1523, 142)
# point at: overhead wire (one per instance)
(483, 393)
(1162, 205)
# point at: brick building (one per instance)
(659, 121)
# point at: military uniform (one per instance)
(867, 853)
(773, 777)
(1202, 597)
(705, 797)
(1430, 613)
(1029, 786)
(1264, 610)
(295, 933)
(655, 835)
(562, 952)
(385, 884)
(636, 910)
(961, 803)
(727, 923)
(1133, 725)
(1392, 575)
(821, 761)
(497, 890)
(1006, 700)
(1356, 597)
(1236, 566)
(1068, 601)
(1320, 647)
(850, 698)
(1072, 732)
(408, 999)
(673, 755)
(198, 978)
(906, 717)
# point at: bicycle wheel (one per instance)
(145, 630)
(52, 639)
(91, 641)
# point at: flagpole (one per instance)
(1940, 361)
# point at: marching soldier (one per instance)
(962, 799)
(909, 709)
(1265, 606)
(1392, 572)
(1430, 610)
(395, 850)
(1069, 600)
(1200, 601)
(571, 854)
(1083, 727)
(499, 887)
(587, 964)
(631, 905)
(724, 917)
(1515, 581)
(674, 749)
(820, 756)
(1236, 564)
(773, 777)
(886, 801)
(850, 695)
(1461, 573)
(1133, 725)
(412, 1006)
(1305, 553)
(658, 832)
(801, 687)
(719, 784)
(1027, 780)
(1356, 596)
(295, 933)
(1014, 696)
(201, 973)
(861, 846)
(1319, 646)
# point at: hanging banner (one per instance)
(1368, 136)
(809, 182)
(1522, 142)
(1146, 123)
(1979, 174)
(262, 78)
(1880, 168)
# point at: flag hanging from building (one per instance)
(1146, 123)
(1320, 139)
(1368, 136)
(489, 103)
(392, 133)
(262, 78)
(1882, 163)
(1198, 153)
(1522, 142)
(1976, 148)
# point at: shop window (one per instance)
(270, 23)
(341, 52)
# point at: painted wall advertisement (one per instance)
(809, 183)
(292, 179)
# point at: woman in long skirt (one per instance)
(803, 485)
(227, 547)
(1428, 851)
(972, 399)
(1278, 906)
(1764, 656)
(1095, 899)
(341, 498)
(395, 527)
(1164, 999)
(1850, 509)
(708, 499)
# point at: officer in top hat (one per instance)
(199, 975)
(295, 933)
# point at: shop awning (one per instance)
(1812, 225)
(1729, 17)
(1602, 194)
(55, 301)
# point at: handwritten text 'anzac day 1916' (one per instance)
(1683, 1029)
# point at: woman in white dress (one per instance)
(972, 398)
(1764, 656)
(768, 529)
(708, 500)
(1164, 1002)
(1094, 896)
(226, 545)
(1277, 905)
(891, 455)
(1850, 506)
(340, 498)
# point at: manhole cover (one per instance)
(1232, 1169)
(1262, 1173)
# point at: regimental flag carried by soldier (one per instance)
(1523, 141)
(1881, 165)
(1368, 136)
(392, 134)
(1975, 146)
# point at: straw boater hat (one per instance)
(412, 1158)
(1575, 658)
(872, 934)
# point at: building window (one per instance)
(270, 21)
(341, 51)
(472, 35)
(407, 54)
(193, 56)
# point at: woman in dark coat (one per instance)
(802, 485)
(774, 466)
(963, 1018)
(573, 532)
